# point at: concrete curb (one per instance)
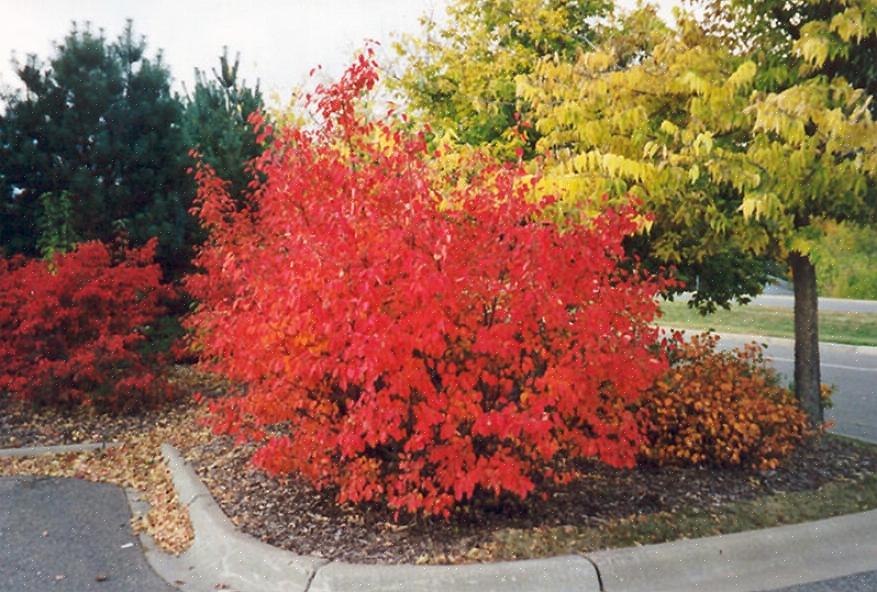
(570, 572)
(222, 555)
(754, 560)
(61, 449)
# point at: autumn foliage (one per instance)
(410, 338)
(73, 328)
(721, 409)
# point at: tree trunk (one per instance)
(807, 380)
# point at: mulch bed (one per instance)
(289, 514)
(23, 426)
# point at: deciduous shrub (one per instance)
(410, 338)
(72, 327)
(720, 408)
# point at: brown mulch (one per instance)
(23, 426)
(288, 513)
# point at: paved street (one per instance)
(862, 582)
(825, 304)
(66, 535)
(774, 297)
(853, 371)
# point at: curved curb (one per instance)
(753, 560)
(61, 449)
(222, 554)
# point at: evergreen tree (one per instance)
(99, 126)
(216, 125)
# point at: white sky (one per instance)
(279, 40)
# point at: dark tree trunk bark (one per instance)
(807, 379)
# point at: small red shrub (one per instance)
(409, 339)
(721, 408)
(71, 327)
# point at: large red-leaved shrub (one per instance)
(413, 339)
(72, 329)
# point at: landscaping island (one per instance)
(606, 508)
(434, 337)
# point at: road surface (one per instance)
(825, 304)
(68, 535)
(774, 298)
(852, 370)
(861, 582)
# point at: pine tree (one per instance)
(99, 125)
(216, 124)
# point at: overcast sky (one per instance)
(279, 40)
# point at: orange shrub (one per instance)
(720, 408)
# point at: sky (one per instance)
(279, 41)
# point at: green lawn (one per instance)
(837, 327)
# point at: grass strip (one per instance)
(835, 327)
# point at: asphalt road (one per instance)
(825, 304)
(852, 370)
(861, 582)
(774, 297)
(68, 535)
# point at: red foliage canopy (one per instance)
(411, 339)
(72, 327)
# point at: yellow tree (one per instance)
(460, 74)
(725, 167)
(817, 142)
(464, 77)
(639, 117)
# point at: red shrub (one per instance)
(410, 339)
(71, 327)
(721, 408)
